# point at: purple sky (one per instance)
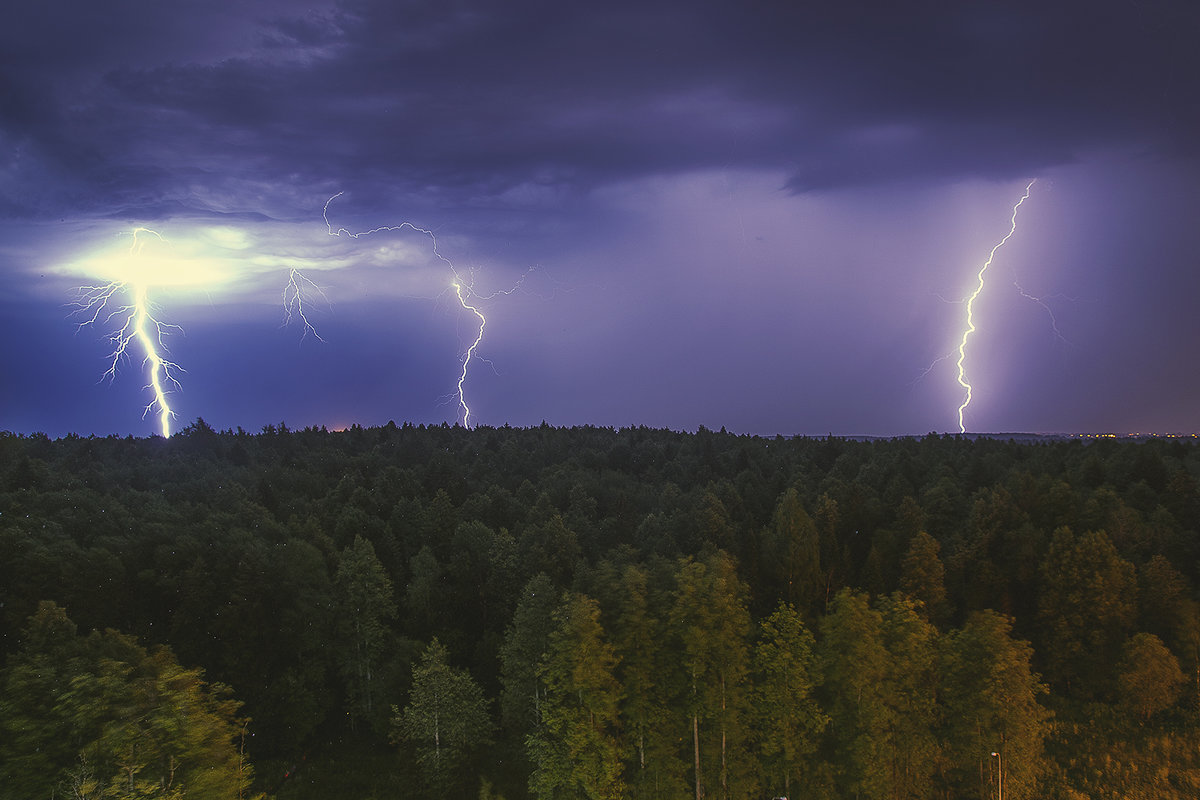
(757, 215)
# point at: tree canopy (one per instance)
(624, 613)
(100, 716)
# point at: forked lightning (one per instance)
(462, 290)
(295, 298)
(133, 319)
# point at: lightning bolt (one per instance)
(463, 290)
(462, 378)
(132, 320)
(962, 345)
(294, 300)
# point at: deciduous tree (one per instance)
(788, 718)
(446, 719)
(791, 553)
(647, 674)
(923, 577)
(1087, 607)
(365, 604)
(1149, 678)
(100, 716)
(990, 695)
(711, 627)
(575, 750)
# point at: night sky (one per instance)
(757, 215)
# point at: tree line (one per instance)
(591, 612)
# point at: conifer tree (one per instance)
(911, 698)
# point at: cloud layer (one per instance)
(246, 107)
(749, 214)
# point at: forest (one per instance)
(436, 612)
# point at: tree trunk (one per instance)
(724, 765)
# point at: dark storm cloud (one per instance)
(153, 108)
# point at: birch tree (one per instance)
(446, 719)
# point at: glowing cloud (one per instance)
(204, 258)
(133, 318)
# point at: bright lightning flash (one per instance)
(134, 319)
(962, 345)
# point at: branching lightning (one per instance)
(295, 297)
(134, 319)
(462, 378)
(463, 289)
(962, 345)
(386, 229)
(1045, 307)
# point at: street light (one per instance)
(999, 776)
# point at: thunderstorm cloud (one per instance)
(750, 214)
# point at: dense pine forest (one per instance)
(434, 612)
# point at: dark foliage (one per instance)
(247, 556)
